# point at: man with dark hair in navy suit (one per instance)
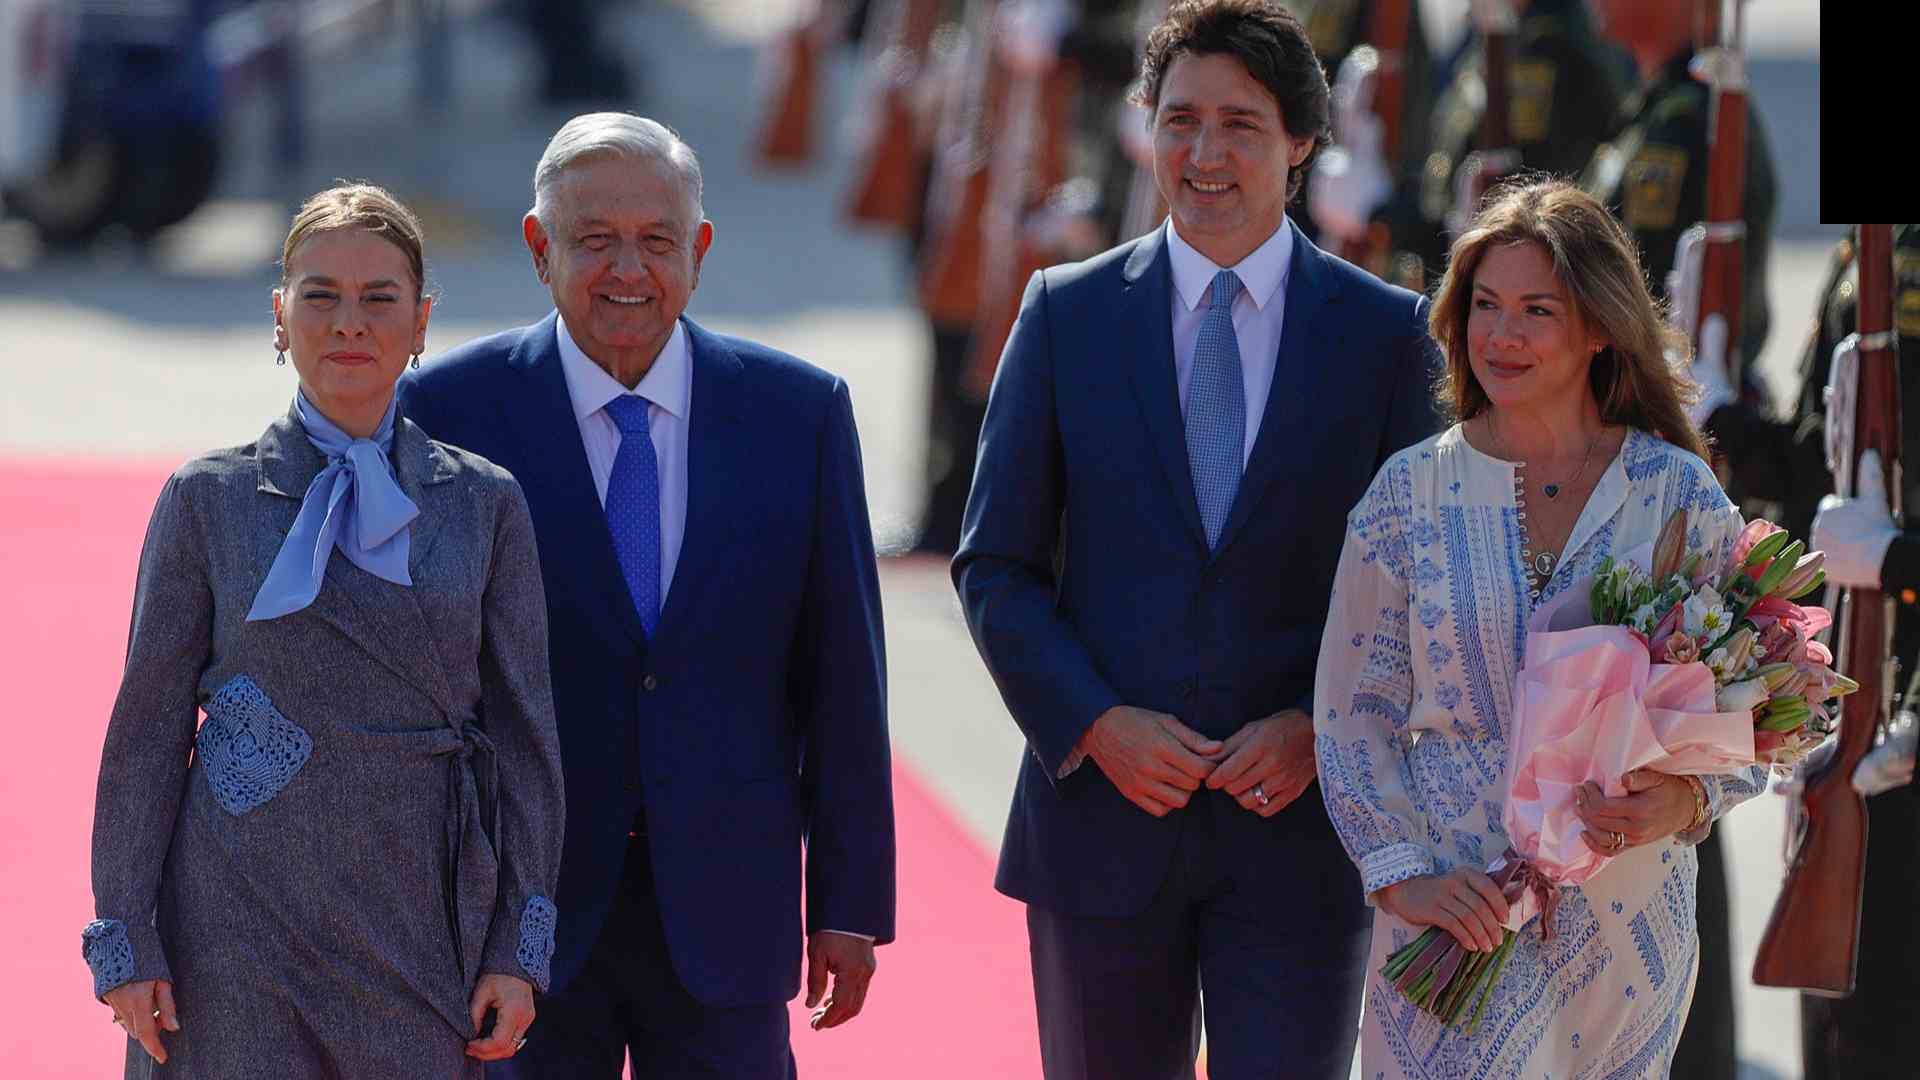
(1175, 435)
(714, 615)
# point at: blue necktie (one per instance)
(633, 507)
(1216, 411)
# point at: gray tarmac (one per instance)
(153, 356)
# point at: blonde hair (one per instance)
(359, 205)
(1595, 259)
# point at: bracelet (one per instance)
(1699, 802)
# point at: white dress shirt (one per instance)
(1259, 312)
(668, 389)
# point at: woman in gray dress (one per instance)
(346, 870)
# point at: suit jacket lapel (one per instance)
(553, 461)
(1148, 326)
(1288, 420)
(382, 618)
(717, 449)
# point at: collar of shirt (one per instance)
(667, 385)
(1262, 272)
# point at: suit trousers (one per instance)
(1126, 998)
(628, 1001)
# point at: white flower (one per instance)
(1704, 616)
(1742, 696)
(1717, 663)
(1643, 618)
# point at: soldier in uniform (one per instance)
(1566, 88)
(1653, 173)
(1097, 38)
(1336, 28)
(1871, 1033)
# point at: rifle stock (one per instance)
(785, 139)
(1812, 940)
(886, 190)
(1723, 263)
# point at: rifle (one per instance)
(785, 138)
(1028, 160)
(1722, 236)
(1812, 940)
(1494, 155)
(950, 262)
(1385, 58)
(1145, 208)
(886, 189)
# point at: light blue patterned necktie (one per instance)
(1216, 412)
(633, 507)
(353, 504)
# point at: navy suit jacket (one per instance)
(1086, 578)
(756, 717)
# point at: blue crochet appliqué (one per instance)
(108, 952)
(249, 749)
(537, 923)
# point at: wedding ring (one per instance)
(1619, 841)
(519, 1043)
(1260, 794)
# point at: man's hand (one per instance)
(1268, 763)
(512, 1000)
(1156, 761)
(145, 1008)
(1463, 902)
(851, 962)
(1856, 532)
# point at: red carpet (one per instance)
(952, 999)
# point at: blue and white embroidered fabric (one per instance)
(249, 750)
(537, 924)
(108, 953)
(1411, 708)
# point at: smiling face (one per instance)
(1527, 343)
(621, 252)
(350, 316)
(1221, 155)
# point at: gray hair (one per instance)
(619, 135)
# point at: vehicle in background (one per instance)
(109, 114)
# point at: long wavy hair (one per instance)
(1595, 260)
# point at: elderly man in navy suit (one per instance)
(1176, 432)
(714, 613)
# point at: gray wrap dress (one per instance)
(369, 817)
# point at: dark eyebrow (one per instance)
(1478, 287)
(322, 279)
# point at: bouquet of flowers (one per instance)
(1683, 667)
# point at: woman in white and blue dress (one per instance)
(1571, 444)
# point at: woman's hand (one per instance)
(1463, 902)
(1655, 807)
(512, 1002)
(144, 1008)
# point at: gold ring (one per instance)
(1260, 794)
(1619, 841)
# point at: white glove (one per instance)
(1887, 766)
(1027, 35)
(1855, 533)
(1710, 371)
(1351, 179)
(1890, 764)
(1136, 138)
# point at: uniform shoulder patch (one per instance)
(1906, 297)
(1651, 196)
(1530, 99)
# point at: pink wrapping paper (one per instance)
(1590, 705)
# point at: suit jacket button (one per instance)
(649, 683)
